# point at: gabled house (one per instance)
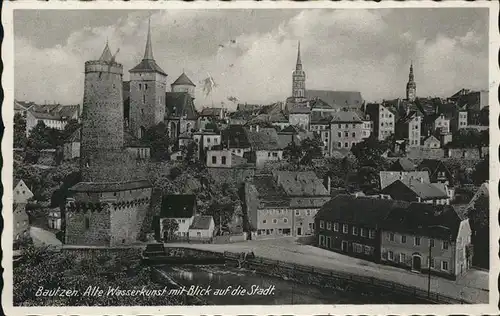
(265, 146)
(71, 147)
(20, 223)
(22, 193)
(431, 142)
(423, 236)
(388, 177)
(202, 228)
(180, 113)
(353, 225)
(416, 191)
(438, 172)
(235, 138)
(403, 165)
(178, 208)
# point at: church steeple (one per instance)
(411, 86)
(148, 53)
(298, 66)
(298, 80)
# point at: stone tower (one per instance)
(183, 84)
(299, 80)
(411, 87)
(102, 117)
(147, 92)
(110, 204)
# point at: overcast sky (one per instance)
(359, 50)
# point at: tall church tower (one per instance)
(299, 80)
(147, 92)
(411, 87)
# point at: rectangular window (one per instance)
(402, 258)
(444, 265)
(346, 145)
(445, 245)
(340, 125)
(329, 225)
(264, 221)
(340, 134)
(214, 159)
(223, 160)
(390, 255)
(403, 239)
(353, 134)
(391, 236)
(355, 231)
(345, 229)
(339, 145)
(336, 227)
(417, 241)
(363, 232)
(346, 134)
(321, 224)
(372, 233)
(87, 223)
(308, 212)
(297, 212)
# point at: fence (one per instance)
(362, 280)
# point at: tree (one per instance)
(19, 131)
(157, 137)
(481, 172)
(305, 153)
(480, 223)
(369, 153)
(466, 138)
(170, 226)
(71, 127)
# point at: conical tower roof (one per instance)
(183, 80)
(106, 54)
(299, 60)
(148, 64)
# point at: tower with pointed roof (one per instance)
(298, 80)
(147, 92)
(411, 86)
(183, 84)
(109, 206)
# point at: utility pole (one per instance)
(429, 278)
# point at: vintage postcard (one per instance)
(250, 157)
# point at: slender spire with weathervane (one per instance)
(148, 53)
(411, 86)
(298, 80)
(298, 66)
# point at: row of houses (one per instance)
(415, 236)
(52, 115)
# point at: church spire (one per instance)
(411, 86)
(148, 53)
(411, 76)
(298, 66)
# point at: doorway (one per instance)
(416, 263)
(344, 246)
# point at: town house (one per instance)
(416, 190)
(235, 138)
(179, 208)
(422, 237)
(346, 130)
(383, 120)
(388, 177)
(437, 170)
(265, 146)
(408, 128)
(352, 225)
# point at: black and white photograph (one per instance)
(244, 155)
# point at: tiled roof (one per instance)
(336, 98)
(362, 211)
(431, 138)
(264, 139)
(201, 222)
(183, 80)
(318, 117)
(299, 110)
(482, 191)
(425, 191)
(22, 105)
(180, 104)
(269, 193)
(235, 136)
(109, 186)
(388, 177)
(178, 206)
(421, 219)
(211, 112)
(54, 111)
(403, 164)
(248, 107)
(346, 116)
(300, 183)
(320, 104)
(148, 65)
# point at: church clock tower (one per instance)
(411, 87)
(299, 80)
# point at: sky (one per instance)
(251, 53)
